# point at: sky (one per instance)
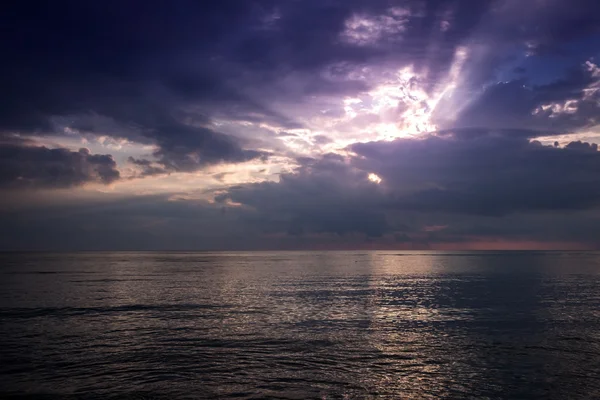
(300, 124)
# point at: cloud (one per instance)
(370, 30)
(184, 148)
(460, 89)
(25, 166)
(556, 22)
(566, 104)
(451, 190)
(485, 175)
(160, 77)
(119, 71)
(162, 223)
(163, 82)
(322, 196)
(582, 146)
(109, 223)
(147, 167)
(489, 174)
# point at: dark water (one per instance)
(323, 325)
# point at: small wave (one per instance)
(71, 311)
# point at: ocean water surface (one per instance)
(300, 325)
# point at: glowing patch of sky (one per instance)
(400, 106)
(571, 106)
(374, 178)
(365, 30)
(590, 135)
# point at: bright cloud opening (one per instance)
(402, 105)
(363, 30)
(374, 178)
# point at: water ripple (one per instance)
(300, 325)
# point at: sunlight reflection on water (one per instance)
(301, 325)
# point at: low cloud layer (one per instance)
(30, 167)
(491, 174)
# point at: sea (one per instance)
(300, 325)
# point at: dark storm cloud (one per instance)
(556, 22)
(160, 223)
(24, 166)
(436, 190)
(185, 148)
(568, 103)
(323, 195)
(147, 167)
(142, 63)
(132, 60)
(488, 174)
(484, 174)
(582, 146)
(169, 73)
(141, 222)
(157, 222)
(70, 57)
(129, 61)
